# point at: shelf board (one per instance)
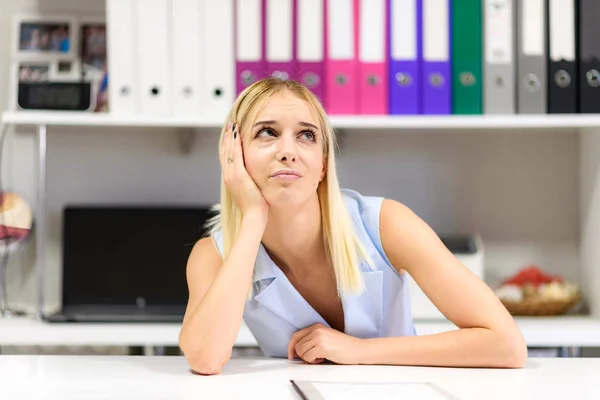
(545, 121)
(82, 119)
(578, 331)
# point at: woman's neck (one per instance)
(294, 236)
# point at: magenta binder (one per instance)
(405, 75)
(436, 80)
(282, 69)
(311, 73)
(251, 70)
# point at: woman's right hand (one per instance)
(243, 189)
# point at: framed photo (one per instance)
(66, 70)
(45, 37)
(93, 58)
(34, 71)
(92, 47)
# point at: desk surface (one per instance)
(538, 331)
(150, 378)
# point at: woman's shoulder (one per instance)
(364, 211)
(370, 208)
(363, 208)
(360, 201)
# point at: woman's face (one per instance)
(283, 150)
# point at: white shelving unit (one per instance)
(348, 123)
(579, 331)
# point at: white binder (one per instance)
(187, 29)
(219, 58)
(154, 56)
(123, 87)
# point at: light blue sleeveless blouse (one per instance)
(276, 309)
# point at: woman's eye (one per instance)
(309, 135)
(266, 131)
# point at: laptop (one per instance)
(127, 263)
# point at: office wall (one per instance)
(518, 189)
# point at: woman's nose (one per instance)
(286, 148)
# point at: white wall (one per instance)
(519, 190)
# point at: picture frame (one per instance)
(93, 57)
(34, 71)
(92, 50)
(45, 37)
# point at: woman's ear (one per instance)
(324, 170)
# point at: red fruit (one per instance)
(531, 275)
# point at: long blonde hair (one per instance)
(342, 245)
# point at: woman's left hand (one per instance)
(318, 343)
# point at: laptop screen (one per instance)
(128, 255)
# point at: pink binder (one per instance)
(373, 58)
(341, 73)
(249, 42)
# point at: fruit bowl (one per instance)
(540, 307)
(531, 292)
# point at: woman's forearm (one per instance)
(472, 347)
(213, 326)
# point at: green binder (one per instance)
(466, 52)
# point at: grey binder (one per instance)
(532, 60)
(499, 57)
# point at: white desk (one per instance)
(150, 378)
(576, 331)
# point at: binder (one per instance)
(466, 57)
(372, 57)
(153, 56)
(310, 46)
(279, 18)
(404, 45)
(123, 89)
(499, 66)
(531, 61)
(187, 57)
(219, 58)
(589, 56)
(341, 66)
(562, 68)
(436, 78)
(249, 42)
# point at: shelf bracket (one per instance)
(40, 241)
(186, 138)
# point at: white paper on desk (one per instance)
(314, 390)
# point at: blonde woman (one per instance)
(317, 272)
